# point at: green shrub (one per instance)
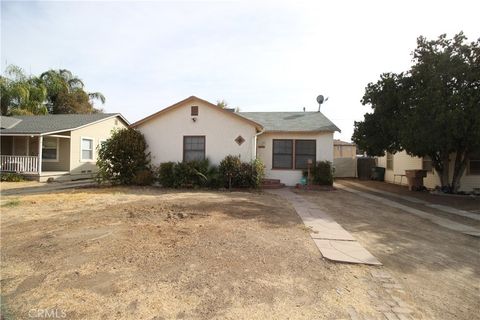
(230, 168)
(258, 173)
(214, 178)
(11, 177)
(166, 174)
(241, 174)
(192, 174)
(322, 173)
(200, 174)
(122, 157)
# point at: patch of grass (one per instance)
(11, 203)
(307, 229)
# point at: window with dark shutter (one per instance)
(193, 148)
(304, 150)
(282, 154)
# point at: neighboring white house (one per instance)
(396, 164)
(60, 146)
(197, 129)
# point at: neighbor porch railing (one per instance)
(20, 164)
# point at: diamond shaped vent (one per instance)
(239, 140)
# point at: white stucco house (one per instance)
(197, 129)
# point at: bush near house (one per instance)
(122, 159)
(11, 177)
(321, 173)
(191, 174)
(200, 174)
(240, 174)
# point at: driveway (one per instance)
(437, 266)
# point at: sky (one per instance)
(258, 56)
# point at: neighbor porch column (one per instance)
(40, 144)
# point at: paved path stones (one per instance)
(334, 242)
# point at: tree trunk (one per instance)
(458, 169)
(441, 163)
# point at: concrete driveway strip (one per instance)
(446, 223)
(334, 242)
(446, 209)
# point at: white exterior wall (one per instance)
(164, 133)
(291, 177)
(402, 161)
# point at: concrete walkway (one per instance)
(45, 188)
(447, 209)
(334, 242)
(446, 223)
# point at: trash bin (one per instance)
(415, 179)
(378, 173)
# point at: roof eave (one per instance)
(67, 129)
(257, 125)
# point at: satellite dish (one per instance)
(320, 99)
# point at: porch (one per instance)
(36, 157)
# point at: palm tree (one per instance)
(21, 94)
(61, 83)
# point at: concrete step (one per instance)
(270, 181)
(273, 186)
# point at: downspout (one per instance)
(254, 153)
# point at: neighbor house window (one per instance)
(427, 163)
(50, 149)
(304, 150)
(194, 111)
(282, 154)
(474, 164)
(87, 149)
(193, 148)
(389, 161)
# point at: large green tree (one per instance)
(66, 93)
(54, 91)
(432, 110)
(22, 94)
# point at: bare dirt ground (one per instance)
(20, 184)
(438, 267)
(144, 253)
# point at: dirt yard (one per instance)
(143, 253)
(438, 267)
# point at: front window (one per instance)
(282, 154)
(193, 148)
(50, 149)
(304, 150)
(87, 149)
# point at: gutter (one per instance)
(254, 153)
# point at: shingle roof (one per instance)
(8, 122)
(292, 121)
(51, 123)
